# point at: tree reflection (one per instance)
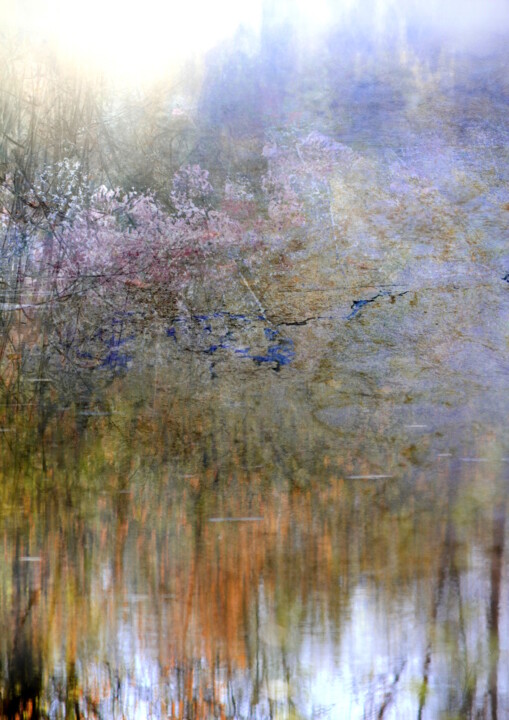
(135, 599)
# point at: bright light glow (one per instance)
(140, 39)
(136, 38)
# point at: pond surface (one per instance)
(287, 499)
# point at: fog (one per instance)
(125, 40)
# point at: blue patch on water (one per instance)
(280, 350)
(114, 342)
(270, 333)
(282, 354)
(357, 305)
(116, 360)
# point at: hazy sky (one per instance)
(141, 38)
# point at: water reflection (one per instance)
(285, 495)
(223, 558)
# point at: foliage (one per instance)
(129, 236)
(77, 237)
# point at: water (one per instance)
(287, 497)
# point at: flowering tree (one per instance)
(77, 237)
(129, 238)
